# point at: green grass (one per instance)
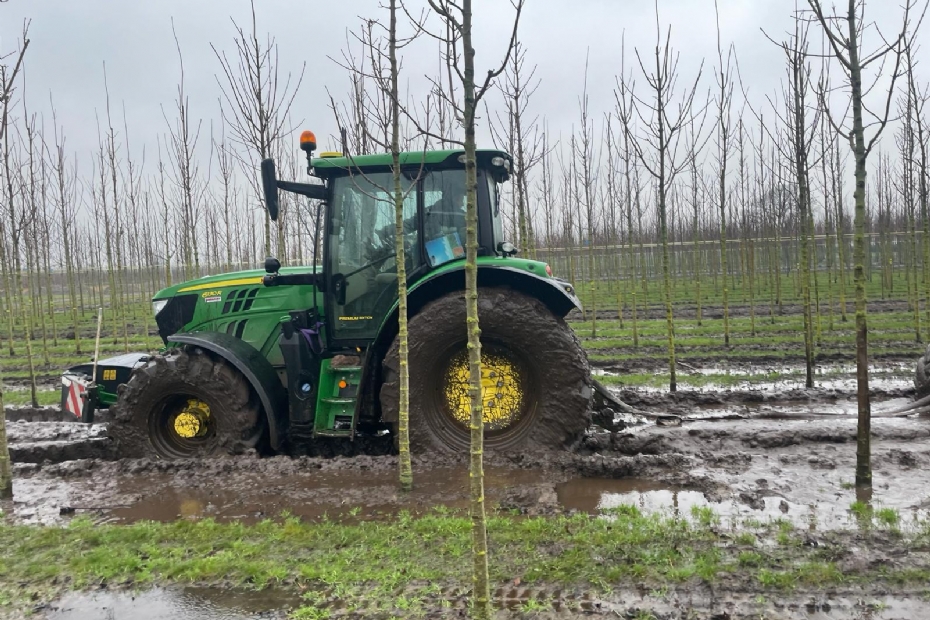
(22, 397)
(684, 290)
(400, 556)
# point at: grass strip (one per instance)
(380, 560)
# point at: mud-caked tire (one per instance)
(142, 422)
(555, 377)
(922, 376)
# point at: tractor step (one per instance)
(337, 400)
(348, 434)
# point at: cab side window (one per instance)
(444, 216)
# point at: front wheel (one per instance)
(535, 382)
(185, 405)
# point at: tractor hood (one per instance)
(224, 280)
(229, 302)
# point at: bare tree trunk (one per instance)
(919, 101)
(6, 471)
(65, 198)
(800, 144)
(115, 246)
(840, 230)
(724, 139)
(664, 132)
(584, 155)
(403, 415)
(482, 594)
(846, 47)
(457, 17)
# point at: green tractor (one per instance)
(273, 359)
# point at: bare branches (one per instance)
(256, 99)
(456, 22)
(663, 118)
(8, 79)
(847, 50)
(258, 102)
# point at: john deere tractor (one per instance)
(277, 358)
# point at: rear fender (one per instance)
(257, 371)
(558, 295)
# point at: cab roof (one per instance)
(446, 159)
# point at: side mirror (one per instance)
(270, 186)
(272, 265)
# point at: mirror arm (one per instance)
(317, 192)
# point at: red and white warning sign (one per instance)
(73, 389)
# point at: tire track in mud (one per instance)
(739, 599)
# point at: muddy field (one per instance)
(746, 454)
(776, 452)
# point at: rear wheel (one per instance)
(186, 405)
(536, 386)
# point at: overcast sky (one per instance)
(72, 39)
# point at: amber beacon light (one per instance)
(308, 141)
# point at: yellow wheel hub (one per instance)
(193, 420)
(501, 390)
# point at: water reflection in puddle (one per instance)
(601, 496)
(314, 495)
(173, 604)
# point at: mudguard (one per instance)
(256, 369)
(558, 295)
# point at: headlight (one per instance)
(158, 305)
(500, 162)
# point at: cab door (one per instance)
(360, 257)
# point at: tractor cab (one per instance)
(359, 280)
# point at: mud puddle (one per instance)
(249, 498)
(173, 604)
(795, 410)
(800, 468)
(722, 603)
(796, 382)
(787, 455)
(602, 497)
